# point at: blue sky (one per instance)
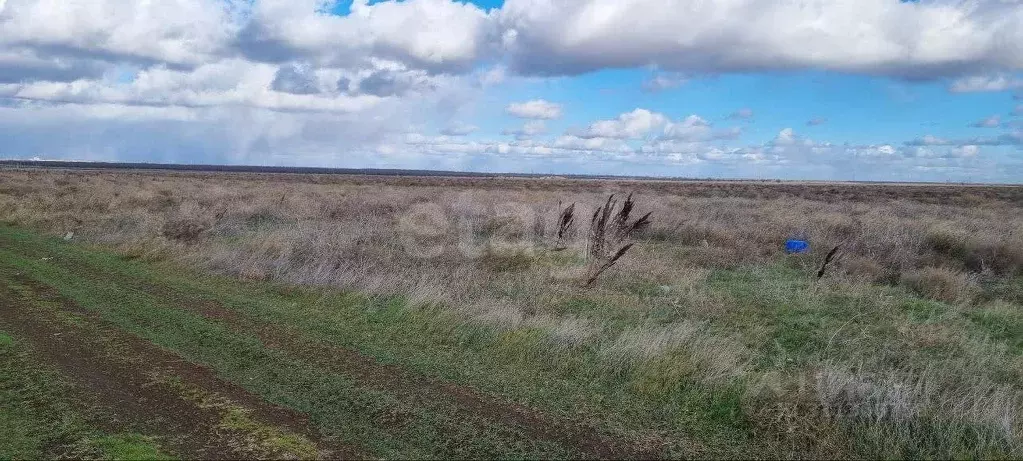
(930, 90)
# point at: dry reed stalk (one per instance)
(609, 232)
(566, 224)
(827, 260)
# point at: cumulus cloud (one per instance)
(222, 83)
(178, 32)
(785, 137)
(694, 128)
(528, 130)
(630, 125)
(967, 150)
(285, 81)
(786, 156)
(536, 109)
(993, 121)
(296, 79)
(645, 124)
(879, 37)
(406, 32)
(386, 83)
(20, 65)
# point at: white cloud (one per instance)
(630, 125)
(229, 82)
(799, 159)
(662, 81)
(386, 83)
(694, 128)
(535, 109)
(283, 81)
(816, 121)
(881, 37)
(968, 150)
(180, 32)
(528, 130)
(785, 137)
(1012, 138)
(493, 76)
(230, 135)
(599, 145)
(439, 35)
(458, 129)
(993, 121)
(984, 83)
(744, 113)
(886, 150)
(930, 140)
(295, 78)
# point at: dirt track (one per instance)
(127, 393)
(137, 386)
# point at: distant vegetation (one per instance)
(688, 333)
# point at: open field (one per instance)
(247, 315)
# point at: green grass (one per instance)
(38, 419)
(790, 325)
(340, 406)
(128, 447)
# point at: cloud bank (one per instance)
(290, 82)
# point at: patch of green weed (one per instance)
(128, 447)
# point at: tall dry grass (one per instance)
(887, 340)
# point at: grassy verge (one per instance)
(795, 336)
(39, 421)
(387, 424)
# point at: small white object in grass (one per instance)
(665, 288)
(70, 235)
(46, 258)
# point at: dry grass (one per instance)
(903, 338)
(942, 285)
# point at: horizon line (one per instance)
(415, 172)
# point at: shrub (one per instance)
(982, 253)
(942, 284)
(947, 241)
(184, 230)
(1000, 257)
(865, 269)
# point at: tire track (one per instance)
(140, 388)
(586, 440)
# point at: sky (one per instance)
(883, 90)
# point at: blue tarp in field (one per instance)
(796, 246)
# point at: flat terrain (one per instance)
(198, 369)
(197, 315)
